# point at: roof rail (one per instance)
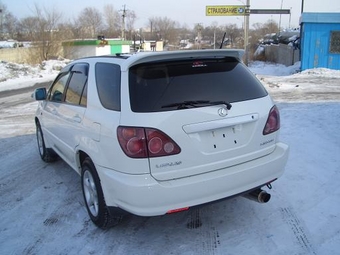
(123, 55)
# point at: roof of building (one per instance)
(320, 17)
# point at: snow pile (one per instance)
(15, 76)
(286, 84)
(8, 44)
(322, 72)
(265, 68)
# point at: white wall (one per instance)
(74, 52)
(102, 50)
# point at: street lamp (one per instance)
(246, 34)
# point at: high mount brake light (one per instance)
(273, 121)
(139, 142)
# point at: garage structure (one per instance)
(320, 40)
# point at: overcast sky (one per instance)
(189, 12)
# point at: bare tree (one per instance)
(130, 22)
(8, 23)
(166, 29)
(235, 36)
(29, 27)
(3, 11)
(42, 30)
(91, 22)
(113, 21)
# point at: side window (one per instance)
(57, 90)
(108, 85)
(83, 100)
(77, 85)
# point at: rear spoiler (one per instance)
(143, 57)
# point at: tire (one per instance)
(94, 198)
(46, 154)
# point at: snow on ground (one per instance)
(263, 68)
(286, 84)
(16, 76)
(42, 209)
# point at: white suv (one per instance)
(156, 133)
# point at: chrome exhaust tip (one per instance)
(259, 196)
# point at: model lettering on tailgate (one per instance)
(169, 164)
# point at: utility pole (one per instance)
(280, 18)
(246, 34)
(2, 29)
(123, 23)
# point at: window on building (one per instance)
(335, 42)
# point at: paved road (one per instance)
(15, 97)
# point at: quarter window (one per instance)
(108, 85)
(83, 101)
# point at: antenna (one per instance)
(223, 40)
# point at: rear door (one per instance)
(189, 100)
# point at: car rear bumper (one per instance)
(143, 195)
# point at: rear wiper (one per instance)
(187, 104)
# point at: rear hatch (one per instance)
(213, 108)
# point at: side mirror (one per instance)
(39, 94)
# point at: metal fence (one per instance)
(282, 54)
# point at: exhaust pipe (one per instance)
(258, 195)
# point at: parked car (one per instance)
(157, 133)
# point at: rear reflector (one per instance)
(178, 210)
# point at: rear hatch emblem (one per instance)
(223, 112)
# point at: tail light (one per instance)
(139, 142)
(273, 121)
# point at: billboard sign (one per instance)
(226, 10)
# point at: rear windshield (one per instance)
(162, 86)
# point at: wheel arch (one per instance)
(81, 156)
(36, 120)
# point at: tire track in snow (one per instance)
(298, 230)
(208, 235)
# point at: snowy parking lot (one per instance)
(42, 209)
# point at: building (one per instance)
(320, 40)
(85, 48)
